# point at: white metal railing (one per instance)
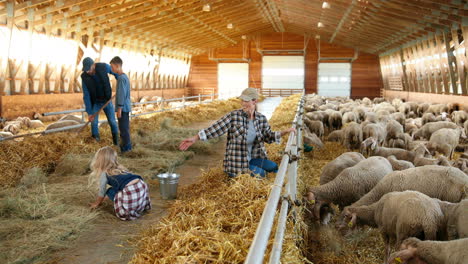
(288, 164)
(183, 98)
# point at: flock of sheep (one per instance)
(409, 186)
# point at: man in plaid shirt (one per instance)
(247, 131)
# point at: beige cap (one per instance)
(249, 94)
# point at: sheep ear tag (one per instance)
(312, 202)
(350, 224)
(398, 260)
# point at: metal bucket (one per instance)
(168, 185)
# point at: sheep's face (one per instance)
(405, 256)
(348, 220)
(321, 211)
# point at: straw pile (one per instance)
(214, 220)
(44, 152)
(324, 244)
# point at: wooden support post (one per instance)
(443, 64)
(4, 67)
(461, 61)
(403, 71)
(453, 80)
(435, 64)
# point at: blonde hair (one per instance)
(105, 160)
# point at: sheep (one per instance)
(349, 186)
(12, 128)
(394, 130)
(437, 109)
(459, 117)
(399, 117)
(316, 115)
(360, 113)
(71, 117)
(399, 164)
(370, 145)
(442, 117)
(17, 123)
(335, 120)
(312, 140)
(352, 136)
(426, 130)
(456, 219)
(371, 117)
(427, 118)
(25, 121)
(445, 141)
(420, 159)
(349, 117)
(465, 127)
(404, 108)
(5, 134)
(336, 166)
(376, 131)
(378, 100)
(410, 127)
(60, 124)
(315, 127)
(366, 101)
(431, 252)
(444, 183)
(335, 136)
(383, 116)
(422, 108)
(399, 215)
(36, 124)
(396, 102)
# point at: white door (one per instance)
(233, 78)
(283, 72)
(334, 79)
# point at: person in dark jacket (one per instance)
(97, 91)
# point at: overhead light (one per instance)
(317, 36)
(325, 5)
(230, 26)
(206, 7)
(244, 37)
(320, 24)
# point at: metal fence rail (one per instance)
(82, 110)
(288, 164)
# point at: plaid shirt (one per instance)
(235, 124)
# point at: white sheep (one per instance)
(422, 108)
(5, 134)
(349, 117)
(335, 120)
(399, 165)
(336, 166)
(394, 130)
(426, 130)
(349, 186)
(12, 128)
(455, 219)
(312, 140)
(375, 130)
(60, 124)
(370, 145)
(36, 124)
(398, 215)
(427, 118)
(72, 117)
(460, 117)
(336, 136)
(437, 109)
(444, 183)
(444, 141)
(352, 136)
(315, 127)
(431, 252)
(371, 117)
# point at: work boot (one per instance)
(115, 138)
(96, 137)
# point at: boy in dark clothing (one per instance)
(123, 104)
(96, 92)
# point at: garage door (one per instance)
(283, 72)
(232, 79)
(334, 79)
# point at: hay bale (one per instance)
(73, 164)
(33, 176)
(63, 123)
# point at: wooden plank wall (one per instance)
(366, 78)
(437, 64)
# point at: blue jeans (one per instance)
(110, 114)
(124, 128)
(260, 167)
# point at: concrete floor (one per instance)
(268, 106)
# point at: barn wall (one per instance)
(427, 97)
(26, 105)
(366, 78)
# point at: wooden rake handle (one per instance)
(96, 114)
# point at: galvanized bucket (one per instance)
(168, 185)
